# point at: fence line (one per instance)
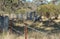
(17, 30)
(27, 27)
(33, 29)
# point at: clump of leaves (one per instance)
(48, 9)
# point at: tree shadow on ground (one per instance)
(53, 24)
(48, 23)
(17, 30)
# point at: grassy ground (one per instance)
(33, 35)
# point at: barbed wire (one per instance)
(27, 27)
(17, 30)
(33, 29)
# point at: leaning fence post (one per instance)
(25, 30)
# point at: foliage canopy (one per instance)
(50, 8)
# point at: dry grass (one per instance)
(33, 35)
(10, 36)
(44, 36)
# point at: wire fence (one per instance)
(35, 32)
(28, 36)
(27, 27)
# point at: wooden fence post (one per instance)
(25, 30)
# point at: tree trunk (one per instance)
(27, 16)
(31, 16)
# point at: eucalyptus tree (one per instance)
(20, 12)
(56, 2)
(48, 10)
